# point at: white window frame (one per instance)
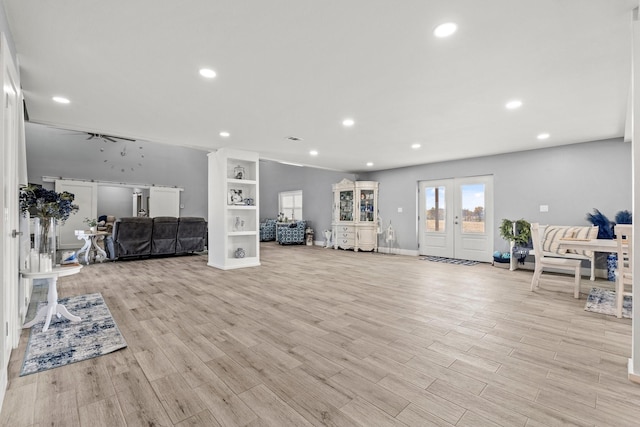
(292, 195)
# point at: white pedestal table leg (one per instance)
(51, 308)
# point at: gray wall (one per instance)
(317, 198)
(571, 179)
(59, 153)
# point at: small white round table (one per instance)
(91, 239)
(52, 306)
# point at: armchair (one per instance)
(293, 234)
(268, 230)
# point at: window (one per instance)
(290, 204)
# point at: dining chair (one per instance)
(543, 262)
(624, 274)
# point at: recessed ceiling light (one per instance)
(224, 134)
(61, 99)
(313, 152)
(415, 146)
(207, 72)
(543, 136)
(512, 105)
(348, 122)
(445, 30)
(369, 164)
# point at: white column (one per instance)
(634, 362)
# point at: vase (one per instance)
(612, 266)
(43, 255)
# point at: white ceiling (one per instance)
(299, 67)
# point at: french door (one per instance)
(456, 218)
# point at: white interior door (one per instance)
(164, 201)
(456, 218)
(86, 197)
(10, 156)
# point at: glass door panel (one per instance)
(436, 209)
(473, 220)
(367, 205)
(346, 206)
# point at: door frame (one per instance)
(475, 246)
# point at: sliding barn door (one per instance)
(164, 201)
(86, 197)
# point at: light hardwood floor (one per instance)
(323, 337)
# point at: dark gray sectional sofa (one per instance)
(159, 236)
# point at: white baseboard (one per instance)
(397, 251)
(632, 376)
(4, 382)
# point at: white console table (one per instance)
(52, 306)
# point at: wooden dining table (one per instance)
(595, 245)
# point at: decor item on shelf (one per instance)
(239, 253)
(518, 231)
(47, 208)
(91, 222)
(605, 227)
(234, 197)
(238, 172)
(249, 201)
(236, 224)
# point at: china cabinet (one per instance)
(234, 238)
(355, 218)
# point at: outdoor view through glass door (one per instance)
(456, 218)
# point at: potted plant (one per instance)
(518, 233)
(91, 222)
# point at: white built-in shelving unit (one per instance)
(233, 209)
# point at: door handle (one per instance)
(15, 233)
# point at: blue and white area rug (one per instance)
(449, 260)
(68, 342)
(603, 301)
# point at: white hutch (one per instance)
(355, 215)
(234, 238)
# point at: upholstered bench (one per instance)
(550, 236)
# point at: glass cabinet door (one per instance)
(346, 206)
(367, 205)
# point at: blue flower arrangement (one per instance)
(605, 230)
(43, 203)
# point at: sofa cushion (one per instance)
(192, 234)
(165, 229)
